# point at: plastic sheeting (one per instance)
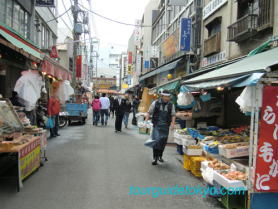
(64, 91)
(28, 87)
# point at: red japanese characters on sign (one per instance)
(266, 179)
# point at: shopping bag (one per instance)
(150, 143)
(49, 123)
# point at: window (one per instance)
(214, 26)
(2, 10)
(43, 36)
(247, 7)
(15, 17)
(9, 14)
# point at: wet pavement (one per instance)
(94, 168)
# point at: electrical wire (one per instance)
(58, 16)
(67, 13)
(115, 21)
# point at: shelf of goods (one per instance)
(20, 147)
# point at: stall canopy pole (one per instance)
(250, 173)
(256, 132)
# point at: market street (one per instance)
(93, 168)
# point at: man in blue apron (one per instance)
(163, 117)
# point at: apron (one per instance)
(161, 130)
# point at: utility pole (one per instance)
(76, 39)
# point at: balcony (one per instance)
(213, 44)
(243, 28)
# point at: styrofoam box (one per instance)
(232, 153)
(192, 152)
(177, 141)
(204, 165)
(223, 181)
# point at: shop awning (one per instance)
(169, 66)
(170, 86)
(244, 80)
(249, 65)
(50, 67)
(20, 43)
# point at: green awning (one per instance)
(248, 65)
(19, 44)
(166, 67)
(170, 86)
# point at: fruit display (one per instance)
(194, 147)
(235, 145)
(233, 139)
(234, 175)
(218, 165)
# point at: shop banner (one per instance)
(266, 176)
(78, 66)
(129, 58)
(185, 34)
(54, 52)
(29, 158)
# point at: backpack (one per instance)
(96, 104)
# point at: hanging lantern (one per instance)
(170, 76)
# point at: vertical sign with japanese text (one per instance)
(129, 58)
(185, 34)
(266, 176)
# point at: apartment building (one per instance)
(231, 29)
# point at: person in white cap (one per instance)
(163, 116)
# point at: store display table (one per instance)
(27, 158)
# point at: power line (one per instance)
(67, 13)
(115, 21)
(59, 16)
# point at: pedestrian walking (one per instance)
(96, 105)
(104, 112)
(112, 109)
(53, 110)
(135, 105)
(120, 107)
(163, 117)
(127, 110)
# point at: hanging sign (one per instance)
(78, 66)
(45, 3)
(54, 53)
(266, 176)
(185, 34)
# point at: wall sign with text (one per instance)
(266, 176)
(45, 3)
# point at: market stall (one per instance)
(20, 152)
(232, 144)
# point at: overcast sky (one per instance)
(109, 33)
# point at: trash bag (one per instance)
(64, 91)
(28, 87)
(245, 100)
(185, 99)
(50, 123)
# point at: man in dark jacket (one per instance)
(120, 106)
(163, 117)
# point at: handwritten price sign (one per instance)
(266, 179)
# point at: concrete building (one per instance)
(231, 29)
(170, 60)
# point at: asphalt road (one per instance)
(94, 168)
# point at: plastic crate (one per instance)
(186, 162)
(195, 163)
(196, 173)
(145, 131)
(234, 201)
